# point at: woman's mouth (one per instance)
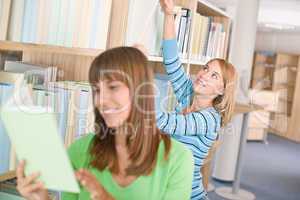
(113, 110)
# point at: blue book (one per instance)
(81, 112)
(26, 21)
(54, 22)
(63, 106)
(5, 146)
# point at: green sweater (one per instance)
(170, 180)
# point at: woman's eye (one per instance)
(113, 87)
(214, 76)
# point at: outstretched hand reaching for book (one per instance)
(167, 6)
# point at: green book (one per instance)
(34, 133)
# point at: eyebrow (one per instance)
(206, 65)
(217, 73)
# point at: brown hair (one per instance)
(225, 103)
(129, 65)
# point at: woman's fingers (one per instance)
(20, 171)
(30, 189)
(30, 179)
(88, 180)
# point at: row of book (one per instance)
(79, 23)
(34, 74)
(210, 37)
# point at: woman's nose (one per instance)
(205, 75)
(102, 98)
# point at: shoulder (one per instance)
(83, 143)
(79, 151)
(210, 113)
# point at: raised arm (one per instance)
(181, 83)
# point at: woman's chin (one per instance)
(113, 124)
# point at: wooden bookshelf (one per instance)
(281, 71)
(7, 176)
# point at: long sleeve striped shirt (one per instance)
(197, 130)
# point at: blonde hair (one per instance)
(225, 102)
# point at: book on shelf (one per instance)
(145, 25)
(9, 55)
(34, 74)
(6, 90)
(72, 102)
(4, 18)
(210, 37)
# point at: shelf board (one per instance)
(183, 60)
(7, 176)
(209, 9)
(19, 46)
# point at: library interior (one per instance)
(243, 139)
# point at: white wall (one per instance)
(288, 42)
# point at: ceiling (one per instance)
(274, 15)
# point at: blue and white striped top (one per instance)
(197, 130)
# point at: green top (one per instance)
(170, 180)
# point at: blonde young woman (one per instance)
(128, 158)
(204, 105)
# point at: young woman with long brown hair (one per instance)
(128, 158)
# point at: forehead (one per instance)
(102, 83)
(215, 66)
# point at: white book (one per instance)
(15, 26)
(143, 22)
(37, 141)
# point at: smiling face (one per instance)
(112, 99)
(209, 81)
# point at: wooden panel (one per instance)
(294, 125)
(265, 98)
(7, 176)
(207, 9)
(17, 46)
(71, 67)
(286, 60)
(279, 124)
(256, 134)
(191, 4)
(286, 94)
(259, 119)
(285, 76)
